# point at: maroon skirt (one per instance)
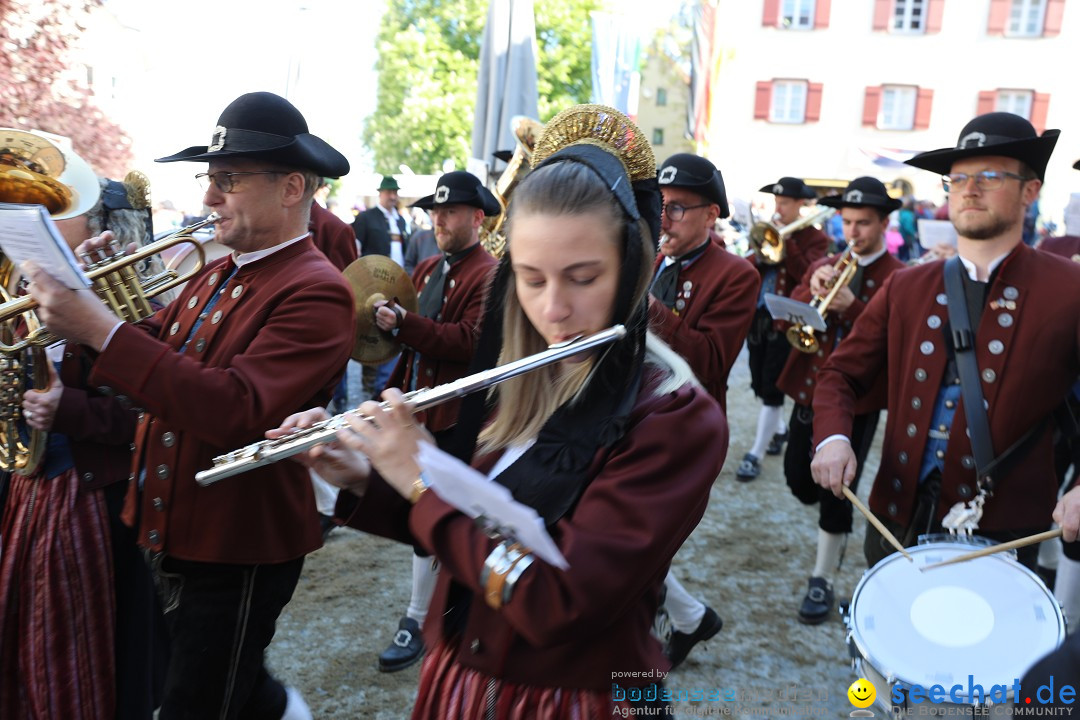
(56, 602)
(451, 691)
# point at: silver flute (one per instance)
(265, 452)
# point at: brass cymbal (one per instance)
(376, 278)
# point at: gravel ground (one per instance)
(749, 559)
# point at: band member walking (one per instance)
(768, 347)
(257, 335)
(864, 206)
(979, 350)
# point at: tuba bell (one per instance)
(769, 242)
(802, 337)
(526, 131)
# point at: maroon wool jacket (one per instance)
(800, 373)
(719, 293)
(1027, 347)
(574, 628)
(1066, 245)
(275, 343)
(802, 249)
(333, 236)
(446, 345)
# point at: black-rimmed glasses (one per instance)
(224, 182)
(675, 212)
(987, 180)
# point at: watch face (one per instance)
(33, 152)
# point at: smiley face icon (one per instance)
(862, 693)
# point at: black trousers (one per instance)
(834, 514)
(769, 352)
(221, 619)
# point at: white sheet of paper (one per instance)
(934, 232)
(794, 312)
(28, 233)
(473, 494)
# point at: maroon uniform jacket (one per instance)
(573, 628)
(1027, 347)
(1067, 246)
(333, 236)
(800, 373)
(445, 344)
(802, 249)
(276, 342)
(717, 293)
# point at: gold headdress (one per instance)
(604, 127)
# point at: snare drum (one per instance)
(990, 618)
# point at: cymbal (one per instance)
(376, 278)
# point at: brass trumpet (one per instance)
(770, 242)
(117, 284)
(802, 337)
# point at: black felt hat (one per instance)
(266, 126)
(790, 187)
(862, 192)
(1076, 165)
(696, 174)
(461, 188)
(996, 133)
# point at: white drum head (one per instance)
(990, 618)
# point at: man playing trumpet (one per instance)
(864, 207)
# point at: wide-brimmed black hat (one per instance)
(461, 188)
(863, 192)
(790, 187)
(266, 126)
(696, 174)
(1076, 165)
(996, 133)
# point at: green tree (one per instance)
(427, 68)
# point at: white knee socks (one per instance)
(829, 546)
(424, 575)
(768, 424)
(684, 610)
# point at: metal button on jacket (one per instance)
(162, 471)
(168, 439)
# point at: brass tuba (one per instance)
(770, 242)
(802, 337)
(526, 132)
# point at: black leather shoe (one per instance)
(680, 644)
(748, 469)
(776, 445)
(818, 602)
(406, 648)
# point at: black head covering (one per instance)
(863, 192)
(697, 175)
(266, 126)
(1076, 165)
(996, 133)
(461, 188)
(791, 187)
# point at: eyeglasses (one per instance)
(224, 182)
(986, 180)
(675, 212)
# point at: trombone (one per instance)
(770, 241)
(116, 283)
(802, 337)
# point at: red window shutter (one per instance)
(933, 16)
(1052, 23)
(923, 102)
(771, 16)
(813, 102)
(882, 14)
(987, 101)
(1039, 106)
(999, 16)
(871, 105)
(763, 100)
(821, 14)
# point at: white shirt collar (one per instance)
(391, 214)
(865, 260)
(242, 259)
(972, 271)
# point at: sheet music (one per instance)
(473, 494)
(934, 232)
(28, 233)
(794, 312)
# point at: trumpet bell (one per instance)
(41, 169)
(803, 339)
(376, 278)
(767, 242)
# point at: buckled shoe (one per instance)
(776, 445)
(406, 648)
(818, 602)
(748, 469)
(680, 644)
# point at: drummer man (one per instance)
(1025, 339)
(438, 344)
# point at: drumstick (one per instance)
(990, 550)
(876, 523)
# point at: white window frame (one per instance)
(797, 14)
(1017, 102)
(897, 109)
(904, 16)
(788, 101)
(1027, 18)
